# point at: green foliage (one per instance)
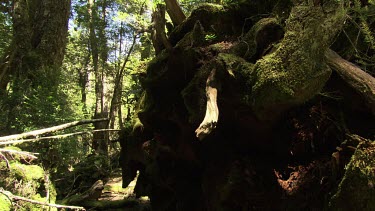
(210, 37)
(5, 32)
(357, 41)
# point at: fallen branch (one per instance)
(6, 160)
(358, 79)
(51, 129)
(22, 153)
(212, 111)
(54, 137)
(20, 198)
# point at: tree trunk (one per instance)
(99, 139)
(37, 48)
(175, 12)
(159, 38)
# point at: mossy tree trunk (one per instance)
(36, 51)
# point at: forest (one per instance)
(187, 105)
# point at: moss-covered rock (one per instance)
(356, 190)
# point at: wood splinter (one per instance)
(212, 111)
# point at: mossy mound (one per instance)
(5, 203)
(356, 190)
(26, 180)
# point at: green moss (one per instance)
(27, 172)
(356, 190)
(28, 181)
(259, 34)
(296, 71)
(5, 203)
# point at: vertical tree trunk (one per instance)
(100, 144)
(159, 38)
(37, 47)
(175, 12)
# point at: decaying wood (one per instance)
(212, 111)
(358, 79)
(49, 130)
(19, 198)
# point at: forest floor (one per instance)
(113, 193)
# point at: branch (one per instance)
(358, 79)
(27, 154)
(19, 198)
(54, 137)
(51, 129)
(119, 76)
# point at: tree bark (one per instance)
(175, 12)
(37, 47)
(358, 79)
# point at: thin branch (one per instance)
(51, 129)
(20, 198)
(119, 76)
(54, 137)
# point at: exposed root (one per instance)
(212, 111)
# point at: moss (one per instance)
(27, 172)
(263, 33)
(5, 203)
(356, 190)
(27, 181)
(296, 71)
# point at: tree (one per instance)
(34, 54)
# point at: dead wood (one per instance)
(354, 76)
(212, 111)
(35, 133)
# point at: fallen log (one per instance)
(51, 129)
(354, 76)
(55, 137)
